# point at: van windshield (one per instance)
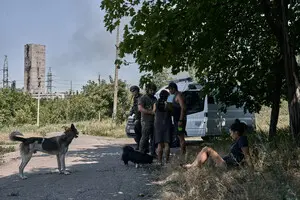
(194, 101)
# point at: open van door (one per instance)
(214, 120)
(195, 108)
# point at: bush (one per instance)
(17, 108)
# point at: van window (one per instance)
(194, 101)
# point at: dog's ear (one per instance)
(73, 127)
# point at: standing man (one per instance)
(179, 114)
(146, 104)
(135, 91)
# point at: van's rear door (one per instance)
(213, 118)
(194, 101)
(234, 113)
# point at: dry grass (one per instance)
(263, 118)
(97, 128)
(276, 174)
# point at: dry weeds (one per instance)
(276, 174)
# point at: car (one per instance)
(129, 129)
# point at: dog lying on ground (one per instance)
(129, 154)
(55, 145)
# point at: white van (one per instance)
(204, 117)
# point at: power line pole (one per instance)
(13, 85)
(38, 106)
(71, 88)
(49, 82)
(99, 79)
(5, 73)
(116, 75)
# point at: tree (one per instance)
(160, 79)
(20, 108)
(228, 44)
(279, 14)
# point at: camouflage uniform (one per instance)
(147, 122)
(137, 119)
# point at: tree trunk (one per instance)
(277, 20)
(291, 74)
(276, 98)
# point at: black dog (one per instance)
(129, 154)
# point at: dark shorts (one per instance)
(230, 161)
(183, 128)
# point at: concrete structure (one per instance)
(34, 68)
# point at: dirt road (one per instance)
(97, 173)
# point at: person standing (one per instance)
(179, 114)
(135, 91)
(146, 103)
(162, 126)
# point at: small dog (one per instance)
(55, 145)
(129, 154)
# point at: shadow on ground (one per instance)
(97, 173)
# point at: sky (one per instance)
(78, 47)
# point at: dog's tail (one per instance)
(13, 136)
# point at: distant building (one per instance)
(34, 68)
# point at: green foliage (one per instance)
(16, 107)
(96, 99)
(228, 45)
(160, 79)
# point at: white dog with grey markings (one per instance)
(55, 146)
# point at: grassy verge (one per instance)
(98, 128)
(263, 118)
(276, 174)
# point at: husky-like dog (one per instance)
(55, 145)
(129, 154)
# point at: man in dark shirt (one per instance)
(135, 90)
(179, 114)
(146, 103)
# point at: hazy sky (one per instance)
(78, 47)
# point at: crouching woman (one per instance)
(239, 150)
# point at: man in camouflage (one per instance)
(145, 105)
(135, 90)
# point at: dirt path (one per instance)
(97, 173)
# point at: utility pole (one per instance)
(13, 85)
(71, 88)
(116, 75)
(38, 106)
(49, 82)
(99, 79)
(5, 73)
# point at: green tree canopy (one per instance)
(229, 45)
